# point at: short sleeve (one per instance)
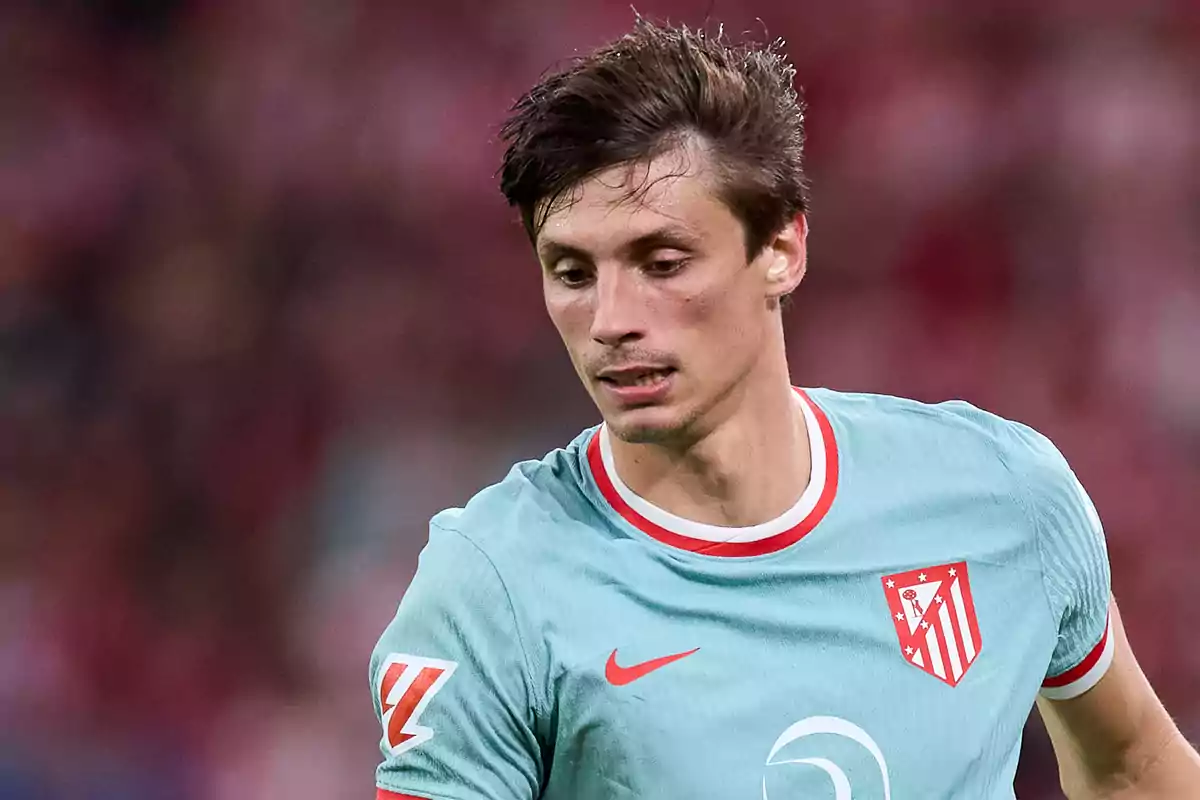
(450, 684)
(1074, 567)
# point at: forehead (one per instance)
(675, 190)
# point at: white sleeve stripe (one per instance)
(1090, 677)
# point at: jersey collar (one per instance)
(714, 540)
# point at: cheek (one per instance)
(705, 336)
(697, 305)
(719, 315)
(570, 318)
(725, 332)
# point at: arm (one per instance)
(451, 685)
(1111, 735)
(1116, 740)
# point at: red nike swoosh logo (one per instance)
(619, 676)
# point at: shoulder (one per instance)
(891, 416)
(884, 409)
(954, 433)
(535, 495)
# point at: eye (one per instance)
(571, 275)
(662, 267)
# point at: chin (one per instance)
(651, 425)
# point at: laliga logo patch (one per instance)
(835, 726)
(406, 685)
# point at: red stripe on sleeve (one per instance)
(1080, 669)
(384, 794)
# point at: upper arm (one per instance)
(1109, 730)
(451, 687)
(1117, 735)
(1074, 561)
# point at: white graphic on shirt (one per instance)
(917, 600)
(837, 727)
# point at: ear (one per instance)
(787, 258)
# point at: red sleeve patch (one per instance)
(406, 685)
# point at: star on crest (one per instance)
(938, 600)
(908, 651)
(900, 615)
(891, 584)
(953, 572)
(921, 577)
(924, 625)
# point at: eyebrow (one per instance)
(550, 251)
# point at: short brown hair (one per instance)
(643, 94)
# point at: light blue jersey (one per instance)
(885, 638)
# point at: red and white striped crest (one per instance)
(935, 621)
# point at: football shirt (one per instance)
(884, 638)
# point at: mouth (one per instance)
(635, 376)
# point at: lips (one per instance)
(637, 386)
(640, 376)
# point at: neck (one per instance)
(749, 467)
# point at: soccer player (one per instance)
(734, 588)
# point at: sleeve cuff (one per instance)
(1084, 675)
(384, 794)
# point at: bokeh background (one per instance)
(263, 312)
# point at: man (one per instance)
(733, 588)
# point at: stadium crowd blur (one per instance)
(263, 311)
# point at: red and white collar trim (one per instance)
(715, 540)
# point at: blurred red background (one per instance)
(263, 312)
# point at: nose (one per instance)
(617, 316)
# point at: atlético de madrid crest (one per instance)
(935, 620)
